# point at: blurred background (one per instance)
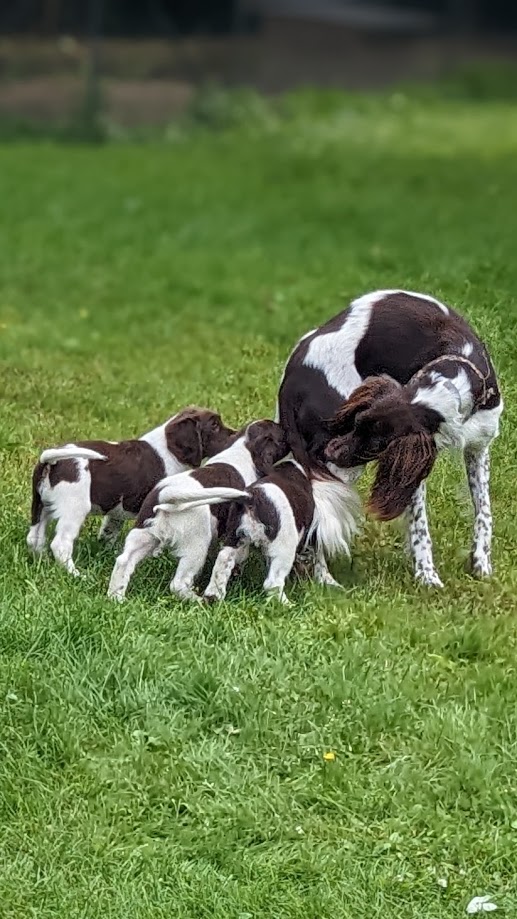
(151, 57)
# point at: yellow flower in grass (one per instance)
(329, 757)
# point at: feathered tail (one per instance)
(69, 451)
(179, 498)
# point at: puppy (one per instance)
(100, 477)
(279, 516)
(176, 512)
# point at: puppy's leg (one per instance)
(322, 574)
(111, 526)
(194, 531)
(68, 527)
(189, 567)
(37, 532)
(419, 539)
(139, 544)
(304, 564)
(228, 558)
(281, 553)
(478, 474)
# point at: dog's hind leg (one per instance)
(38, 531)
(67, 530)
(281, 554)
(187, 571)
(228, 558)
(140, 543)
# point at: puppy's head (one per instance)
(379, 423)
(267, 444)
(196, 433)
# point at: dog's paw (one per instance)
(428, 578)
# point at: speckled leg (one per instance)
(478, 474)
(419, 539)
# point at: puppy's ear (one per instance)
(360, 400)
(400, 470)
(215, 436)
(183, 435)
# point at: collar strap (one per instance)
(458, 358)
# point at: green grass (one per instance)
(160, 760)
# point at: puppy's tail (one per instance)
(37, 503)
(183, 500)
(336, 516)
(69, 451)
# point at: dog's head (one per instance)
(379, 423)
(267, 444)
(196, 433)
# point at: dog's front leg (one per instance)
(478, 474)
(419, 540)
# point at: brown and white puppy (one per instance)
(177, 513)
(443, 392)
(278, 516)
(112, 479)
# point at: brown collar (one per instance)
(487, 391)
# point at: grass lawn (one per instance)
(161, 760)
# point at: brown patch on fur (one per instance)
(401, 468)
(360, 400)
(216, 475)
(65, 471)
(131, 469)
(305, 399)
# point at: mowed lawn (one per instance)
(167, 760)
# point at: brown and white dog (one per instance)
(177, 513)
(278, 516)
(417, 380)
(112, 479)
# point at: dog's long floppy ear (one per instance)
(400, 470)
(360, 400)
(183, 435)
